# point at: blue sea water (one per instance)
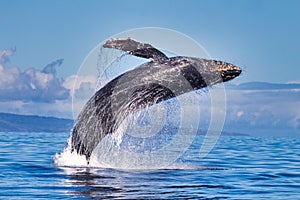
(239, 167)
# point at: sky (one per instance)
(260, 36)
(43, 44)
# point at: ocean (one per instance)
(239, 167)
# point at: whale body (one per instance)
(158, 80)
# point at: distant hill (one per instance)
(265, 86)
(31, 123)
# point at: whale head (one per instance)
(205, 72)
(227, 71)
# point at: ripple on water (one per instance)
(238, 167)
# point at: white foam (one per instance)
(70, 159)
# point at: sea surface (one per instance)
(239, 167)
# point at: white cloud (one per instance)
(41, 92)
(75, 82)
(294, 82)
(5, 54)
(81, 89)
(32, 84)
(78, 80)
(240, 113)
(264, 110)
(59, 108)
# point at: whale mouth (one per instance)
(226, 70)
(230, 72)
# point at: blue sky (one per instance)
(52, 38)
(261, 36)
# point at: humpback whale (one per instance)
(160, 79)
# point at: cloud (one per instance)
(256, 109)
(267, 108)
(32, 84)
(61, 108)
(81, 89)
(41, 92)
(81, 85)
(5, 54)
(293, 82)
(50, 68)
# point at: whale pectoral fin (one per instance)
(136, 48)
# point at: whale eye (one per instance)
(183, 62)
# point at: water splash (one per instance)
(67, 158)
(150, 145)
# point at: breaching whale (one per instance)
(160, 79)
